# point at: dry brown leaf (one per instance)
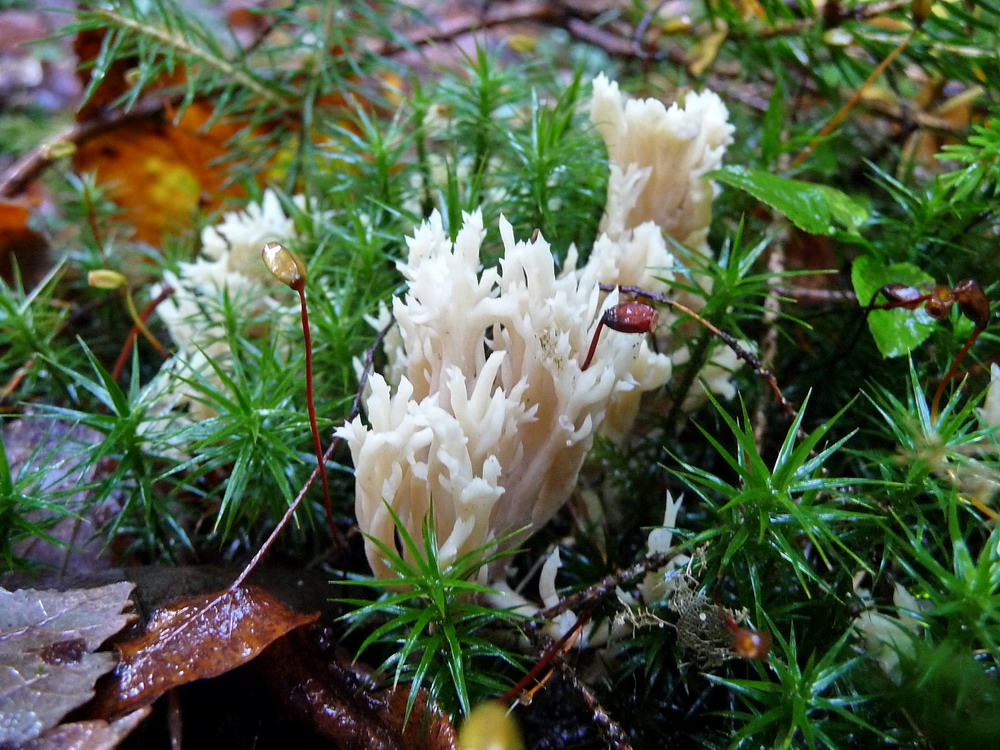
(193, 638)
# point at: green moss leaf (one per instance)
(817, 209)
(896, 332)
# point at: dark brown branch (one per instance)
(809, 296)
(603, 587)
(497, 14)
(552, 656)
(616, 737)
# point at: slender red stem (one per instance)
(936, 402)
(259, 555)
(593, 344)
(300, 287)
(546, 659)
(147, 311)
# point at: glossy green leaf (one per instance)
(896, 332)
(817, 209)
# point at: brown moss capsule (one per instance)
(627, 317)
(631, 317)
(287, 267)
(921, 10)
(972, 302)
(105, 278)
(939, 304)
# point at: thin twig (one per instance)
(769, 342)
(549, 651)
(460, 24)
(640, 30)
(849, 104)
(616, 737)
(551, 656)
(258, 556)
(604, 587)
(809, 296)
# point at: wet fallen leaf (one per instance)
(87, 735)
(341, 701)
(193, 638)
(48, 664)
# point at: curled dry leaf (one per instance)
(341, 701)
(193, 638)
(48, 664)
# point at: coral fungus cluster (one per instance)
(485, 412)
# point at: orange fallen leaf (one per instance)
(194, 638)
(21, 246)
(162, 169)
(161, 173)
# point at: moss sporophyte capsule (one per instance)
(287, 267)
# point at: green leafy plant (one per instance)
(790, 704)
(440, 634)
(770, 506)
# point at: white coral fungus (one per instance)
(232, 265)
(991, 404)
(659, 156)
(886, 638)
(485, 412)
(492, 416)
